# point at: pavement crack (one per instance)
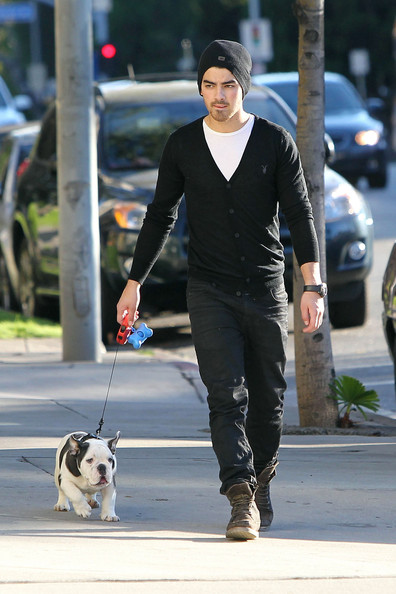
(69, 408)
(27, 461)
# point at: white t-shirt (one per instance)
(227, 147)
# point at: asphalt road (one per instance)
(360, 352)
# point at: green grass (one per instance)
(15, 325)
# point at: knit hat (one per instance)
(227, 54)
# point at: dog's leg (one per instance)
(108, 504)
(92, 501)
(80, 504)
(63, 503)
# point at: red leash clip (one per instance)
(124, 331)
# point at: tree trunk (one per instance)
(313, 352)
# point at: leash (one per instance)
(136, 337)
(99, 429)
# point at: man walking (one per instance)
(235, 170)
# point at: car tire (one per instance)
(348, 314)
(378, 180)
(109, 300)
(26, 283)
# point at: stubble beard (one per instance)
(220, 115)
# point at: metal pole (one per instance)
(79, 257)
(254, 10)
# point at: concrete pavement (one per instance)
(334, 528)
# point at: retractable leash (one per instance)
(135, 337)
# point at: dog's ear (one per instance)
(74, 444)
(112, 443)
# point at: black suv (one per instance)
(134, 122)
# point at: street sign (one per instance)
(18, 12)
(359, 62)
(256, 36)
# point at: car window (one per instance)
(135, 135)
(46, 146)
(268, 108)
(288, 91)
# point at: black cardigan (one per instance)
(233, 225)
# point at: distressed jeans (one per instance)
(240, 342)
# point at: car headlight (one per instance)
(342, 201)
(129, 215)
(367, 137)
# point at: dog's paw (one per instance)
(93, 504)
(64, 507)
(110, 518)
(84, 511)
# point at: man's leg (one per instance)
(219, 344)
(264, 363)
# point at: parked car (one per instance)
(134, 121)
(14, 150)
(361, 147)
(389, 301)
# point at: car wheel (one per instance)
(109, 312)
(378, 180)
(26, 288)
(347, 314)
(5, 287)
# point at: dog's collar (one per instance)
(89, 436)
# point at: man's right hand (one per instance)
(129, 302)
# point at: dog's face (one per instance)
(92, 458)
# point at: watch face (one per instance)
(323, 290)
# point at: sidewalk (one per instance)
(334, 526)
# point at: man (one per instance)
(235, 169)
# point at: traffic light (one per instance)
(106, 61)
(108, 51)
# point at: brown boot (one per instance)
(245, 517)
(263, 499)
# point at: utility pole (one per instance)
(79, 249)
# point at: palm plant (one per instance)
(351, 394)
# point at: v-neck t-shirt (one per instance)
(227, 148)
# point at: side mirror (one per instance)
(329, 149)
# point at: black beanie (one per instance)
(227, 54)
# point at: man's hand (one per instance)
(312, 308)
(129, 302)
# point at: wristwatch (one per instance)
(321, 289)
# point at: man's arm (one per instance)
(312, 305)
(159, 221)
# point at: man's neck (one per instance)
(236, 122)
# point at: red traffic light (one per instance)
(108, 51)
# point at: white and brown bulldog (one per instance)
(85, 465)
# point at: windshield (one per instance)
(340, 97)
(135, 135)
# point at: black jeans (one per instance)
(240, 343)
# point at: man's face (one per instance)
(221, 93)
